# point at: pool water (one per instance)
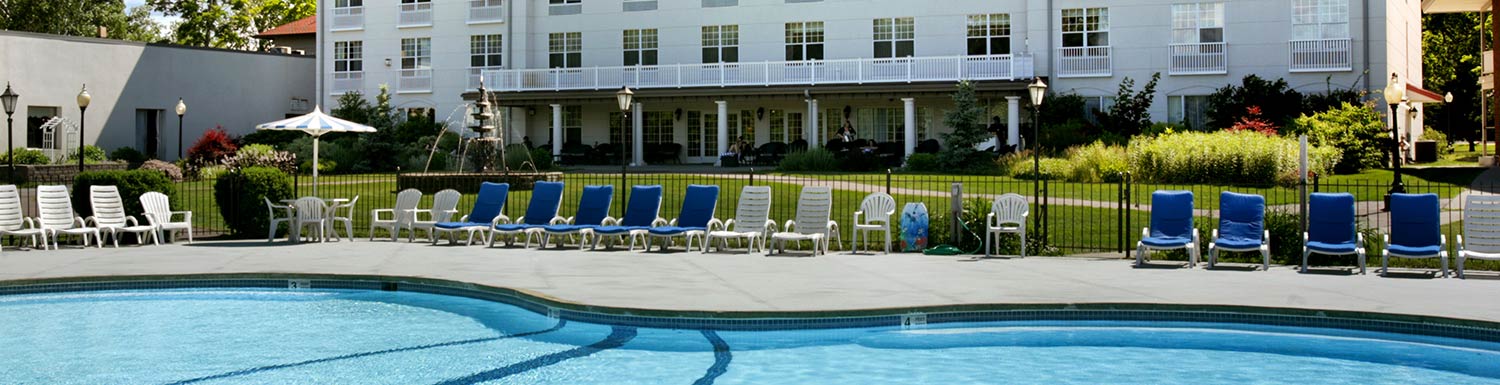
(222, 336)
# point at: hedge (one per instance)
(1223, 157)
(242, 193)
(132, 185)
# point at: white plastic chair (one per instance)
(1007, 215)
(109, 216)
(159, 212)
(276, 221)
(814, 205)
(347, 209)
(311, 211)
(56, 216)
(752, 221)
(444, 205)
(397, 217)
(1481, 237)
(876, 209)
(13, 222)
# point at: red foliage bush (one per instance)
(1254, 122)
(214, 145)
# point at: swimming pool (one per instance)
(230, 335)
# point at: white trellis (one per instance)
(55, 153)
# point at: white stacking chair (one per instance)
(159, 211)
(814, 205)
(109, 216)
(1007, 215)
(347, 209)
(1481, 236)
(311, 211)
(13, 221)
(876, 210)
(752, 221)
(397, 217)
(56, 216)
(444, 205)
(276, 221)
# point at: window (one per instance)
(618, 134)
(1189, 110)
(348, 3)
(786, 127)
(638, 5)
(565, 49)
(484, 51)
(348, 56)
(1197, 23)
(564, 7)
(746, 130)
(416, 1)
(640, 47)
(485, 3)
(422, 114)
(564, 2)
(695, 133)
(1095, 105)
(36, 116)
(721, 44)
(778, 126)
(989, 34)
(720, 3)
(416, 53)
(804, 41)
(1320, 19)
(895, 37)
(1085, 27)
(656, 127)
(572, 124)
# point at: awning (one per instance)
(1455, 6)
(1416, 94)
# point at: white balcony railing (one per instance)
(348, 18)
(842, 71)
(348, 81)
(416, 80)
(415, 15)
(483, 14)
(1198, 59)
(1084, 62)
(1320, 55)
(475, 74)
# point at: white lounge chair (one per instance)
(444, 205)
(334, 218)
(15, 223)
(1481, 237)
(56, 216)
(276, 221)
(876, 210)
(752, 221)
(1007, 215)
(814, 205)
(109, 216)
(397, 217)
(311, 211)
(159, 212)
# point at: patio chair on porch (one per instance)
(1481, 237)
(1007, 215)
(109, 216)
(752, 221)
(693, 222)
(13, 221)
(1416, 231)
(397, 217)
(1331, 228)
(1242, 223)
(643, 209)
(1171, 226)
(814, 205)
(484, 214)
(540, 211)
(593, 209)
(56, 216)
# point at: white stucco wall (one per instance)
(232, 89)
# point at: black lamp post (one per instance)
(625, 97)
(9, 99)
(181, 110)
(83, 106)
(1038, 91)
(1395, 94)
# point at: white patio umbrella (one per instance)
(316, 124)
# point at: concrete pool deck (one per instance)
(753, 282)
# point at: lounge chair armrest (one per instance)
(1196, 240)
(85, 221)
(658, 222)
(1304, 239)
(989, 221)
(416, 214)
(130, 221)
(375, 214)
(1215, 235)
(187, 216)
(1443, 242)
(673, 222)
(833, 225)
(1145, 232)
(1460, 241)
(1359, 238)
(30, 224)
(770, 226)
(791, 225)
(858, 214)
(1265, 237)
(1386, 238)
(82, 222)
(559, 220)
(609, 221)
(499, 219)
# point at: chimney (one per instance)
(103, 32)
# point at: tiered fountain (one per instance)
(490, 166)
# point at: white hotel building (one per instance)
(707, 71)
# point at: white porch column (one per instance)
(1012, 122)
(816, 139)
(557, 131)
(723, 129)
(911, 126)
(637, 136)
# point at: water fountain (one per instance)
(489, 139)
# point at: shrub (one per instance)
(1355, 129)
(1052, 169)
(91, 154)
(214, 145)
(260, 155)
(1252, 121)
(1098, 162)
(815, 160)
(211, 172)
(1438, 136)
(520, 158)
(860, 161)
(30, 156)
(272, 137)
(324, 166)
(1131, 112)
(241, 195)
(922, 163)
(132, 184)
(1222, 157)
(171, 171)
(543, 158)
(1279, 102)
(128, 155)
(1004, 163)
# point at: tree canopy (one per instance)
(80, 18)
(1451, 63)
(230, 23)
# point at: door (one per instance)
(148, 132)
(703, 137)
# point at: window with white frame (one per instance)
(640, 47)
(348, 56)
(1320, 19)
(721, 44)
(416, 53)
(564, 7)
(348, 3)
(895, 37)
(989, 34)
(638, 5)
(786, 127)
(1197, 23)
(1191, 111)
(1085, 27)
(804, 41)
(565, 50)
(572, 124)
(656, 127)
(564, 2)
(1095, 105)
(485, 51)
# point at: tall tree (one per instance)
(79, 18)
(1451, 63)
(230, 23)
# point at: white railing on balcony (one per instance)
(475, 74)
(486, 14)
(415, 15)
(348, 18)
(1084, 62)
(1320, 55)
(348, 81)
(418, 80)
(842, 71)
(1197, 59)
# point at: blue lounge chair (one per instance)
(541, 211)
(1330, 228)
(697, 211)
(593, 209)
(1171, 226)
(1242, 223)
(1416, 230)
(486, 213)
(643, 210)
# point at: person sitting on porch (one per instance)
(847, 131)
